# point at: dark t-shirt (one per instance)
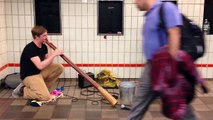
(26, 65)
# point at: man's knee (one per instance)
(60, 68)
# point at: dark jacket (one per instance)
(174, 80)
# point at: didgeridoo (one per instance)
(103, 92)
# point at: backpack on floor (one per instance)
(192, 38)
(12, 80)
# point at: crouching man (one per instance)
(37, 69)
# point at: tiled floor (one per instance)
(90, 107)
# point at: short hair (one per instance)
(38, 30)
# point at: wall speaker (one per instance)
(110, 17)
(47, 14)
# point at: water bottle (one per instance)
(206, 26)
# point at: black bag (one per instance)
(192, 38)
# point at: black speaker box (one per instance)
(110, 17)
(82, 83)
(47, 14)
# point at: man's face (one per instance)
(141, 4)
(43, 36)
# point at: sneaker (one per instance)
(36, 103)
(18, 92)
(57, 93)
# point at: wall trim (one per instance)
(98, 65)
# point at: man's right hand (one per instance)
(58, 52)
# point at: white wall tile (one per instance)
(121, 46)
(84, 9)
(14, 8)
(65, 9)
(91, 46)
(28, 21)
(66, 34)
(17, 56)
(72, 34)
(21, 20)
(91, 33)
(84, 46)
(128, 22)
(85, 58)
(91, 57)
(84, 21)
(79, 39)
(128, 9)
(103, 46)
(3, 34)
(78, 21)
(65, 21)
(21, 8)
(103, 58)
(91, 9)
(78, 9)
(109, 46)
(9, 21)
(8, 7)
(15, 33)
(27, 8)
(16, 46)
(190, 10)
(115, 57)
(78, 34)
(72, 21)
(15, 21)
(127, 46)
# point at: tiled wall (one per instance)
(3, 43)
(79, 38)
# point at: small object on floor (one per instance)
(205, 89)
(57, 93)
(60, 89)
(37, 103)
(124, 107)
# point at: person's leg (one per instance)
(35, 88)
(144, 96)
(51, 74)
(189, 114)
(18, 91)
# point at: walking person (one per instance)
(171, 36)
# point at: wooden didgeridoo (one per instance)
(103, 92)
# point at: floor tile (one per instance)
(201, 108)
(208, 115)
(64, 101)
(26, 115)
(91, 107)
(19, 102)
(12, 112)
(61, 111)
(93, 115)
(43, 115)
(207, 100)
(109, 114)
(75, 115)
